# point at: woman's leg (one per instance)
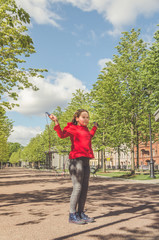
(76, 172)
(85, 183)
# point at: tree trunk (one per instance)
(102, 159)
(118, 157)
(137, 147)
(98, 158)
(104, 169)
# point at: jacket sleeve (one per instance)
(92, 132)
(60, 133)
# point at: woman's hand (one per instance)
(54, 118)
(95, 124)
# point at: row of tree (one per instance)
(127, 92)
(121, 101)
(15, 46)
(5, 129)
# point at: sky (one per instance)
(73, 40)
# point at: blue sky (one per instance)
(73, 39)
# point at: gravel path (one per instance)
(34, 205)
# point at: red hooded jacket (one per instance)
(80, 138)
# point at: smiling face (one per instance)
(83, 119)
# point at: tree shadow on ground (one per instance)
(52, 179)
(119, 199)
(28, 176)
(44, 196)
(138, 200)
(129, 235)
(10, 173)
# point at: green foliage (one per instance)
(16, 156)
(151, 82)
(126, 92)
(35, 150)
(5, 130)
(121, 100)
(3, 149)
(14, 147)
(15, 45)
(6, 125)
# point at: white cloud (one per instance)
(23, 134)
(40, 11)
(118, 12)
(54, 91)
(102, 62)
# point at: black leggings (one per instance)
(80, 172)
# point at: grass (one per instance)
(127, 175)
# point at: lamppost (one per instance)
(151, 159)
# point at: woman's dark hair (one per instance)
(77, 114)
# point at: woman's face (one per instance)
(83, 119)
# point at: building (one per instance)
(144, 153)
(111, 158)
(56, 160)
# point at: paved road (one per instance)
(34, 205)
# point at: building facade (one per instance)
(56, 160)
(109, 156)
(144, 153)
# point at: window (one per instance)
(153, 152)
(141, 152)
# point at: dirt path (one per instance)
(34, 205)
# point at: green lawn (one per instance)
(127, 175)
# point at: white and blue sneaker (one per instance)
(85, 218)
(75, 218)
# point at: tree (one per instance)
(107, 103)
(35, 149)
(120, 87)
(14, 147)
(15, 158)
(151, 86)
(15, 45)
(5, 130)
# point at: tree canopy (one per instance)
(126, 92)
(15, 46)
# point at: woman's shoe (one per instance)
(85, 218)
(74, 218)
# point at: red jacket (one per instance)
(80, 137)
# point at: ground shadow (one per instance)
(115, 199)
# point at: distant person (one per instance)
(81, 153)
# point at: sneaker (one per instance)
(74, 218)
(85, 218)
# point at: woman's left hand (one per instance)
(95, 124)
